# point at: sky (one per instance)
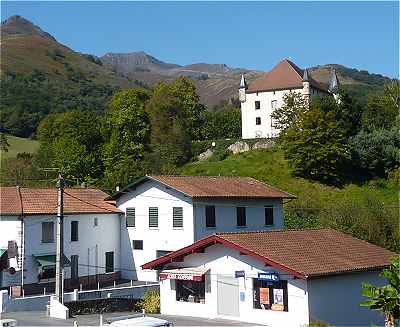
(254, 35)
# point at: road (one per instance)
(39, 318)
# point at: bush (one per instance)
(101, 305)
(151, 301)
(316, 323)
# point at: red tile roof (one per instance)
(285, 75)
(214, 187)
(302, 253)
(31, 201)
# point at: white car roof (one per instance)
(140, 321)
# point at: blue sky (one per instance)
(363, 35)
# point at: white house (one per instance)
(27, 237)
(263, 96)
(165, 213)
(277, 278)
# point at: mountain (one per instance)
(25, 48)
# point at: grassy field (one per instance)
(18, 145)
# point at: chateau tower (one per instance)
(242, 89)
(306, 85)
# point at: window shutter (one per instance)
(177, 217)
(130, 217)
(153, 217)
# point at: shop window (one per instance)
(190, 291)
(137, 244)
(241, 216)
(74, 231)
(210, 216)
(257, 105)
(47, 232)
(269, 215)
(269, 295)
(130, 215)
(177, 217)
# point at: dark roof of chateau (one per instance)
(285, 75)
(34, 201)
(213, 187)
(303, 253)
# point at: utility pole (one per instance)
(60, 241)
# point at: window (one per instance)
(190, 291)
(130, 216)
(258, 120)
(153, 217)
(74, 267)
(95, 221)
(47, 232)
(274, 92)
(210, 216)
(177, 217)
(269, 215)
(270, 295)
(48, 272)
(241, 216)
(257, 105)
(109, 262)
(74, 231)
(273, 123)
(274, 104)
(137, 244)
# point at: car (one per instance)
(139, 320)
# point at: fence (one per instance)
(39, 302)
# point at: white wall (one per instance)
(225, 216)
(9, 228)
(165, 237)
(336, 300)
(249, 113)
(224, 261)
(106, 236)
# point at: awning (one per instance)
(194, 273)
(2, 251)
(49, 260)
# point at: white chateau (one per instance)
(263, 96)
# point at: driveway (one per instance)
(39, 318)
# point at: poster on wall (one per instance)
(264, 295)
(278, 300)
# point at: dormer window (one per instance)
(257, 105)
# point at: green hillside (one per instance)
(18, 145)
(367, 211)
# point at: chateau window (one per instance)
(258, 120)
(274, 104)
(257, 105)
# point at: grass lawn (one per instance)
(17, 145)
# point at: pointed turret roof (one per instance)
(243, 82)
(305, 75)
(334, 82)
(285, 75)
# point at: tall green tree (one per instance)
(126, 131)
(170, 134)
(315, 146)
(386, 298)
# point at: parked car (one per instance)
(139, 320)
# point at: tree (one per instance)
(225, 123)
(382, 109)
(4, 145)
(315, 146)
(184, 91)
(170, 135)
(294, 106)
(348, 113)
(126, 131)
(386, 298)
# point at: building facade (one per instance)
(165, 213)
(263, 96)
(275, 278)
(91, 238)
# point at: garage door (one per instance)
(228, 295)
